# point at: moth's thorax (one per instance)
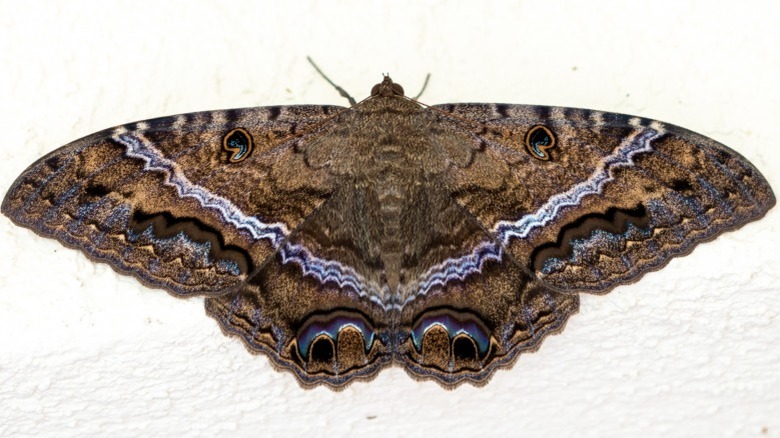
(389, 134)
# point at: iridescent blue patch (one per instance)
(455, 323)
(332, 325)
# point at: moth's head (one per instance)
(387, 88)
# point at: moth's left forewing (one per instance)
(191, 203)
(587, 200)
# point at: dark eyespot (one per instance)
(239, 143)
(468, 335)
(464, 348)
(538, 141)
(322, 350)
(330, 326)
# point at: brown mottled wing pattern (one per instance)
(475, 312)
(161, 199)
(447, 239)
(596, 199)
(209, 203)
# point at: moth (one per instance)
(446, 239)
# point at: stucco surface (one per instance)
(692, 350)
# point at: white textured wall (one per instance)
(691, 350)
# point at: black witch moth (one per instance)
(339, 241)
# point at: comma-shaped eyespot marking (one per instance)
(451, 340)
(239, 143)
(538, 141)
(334, 343)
